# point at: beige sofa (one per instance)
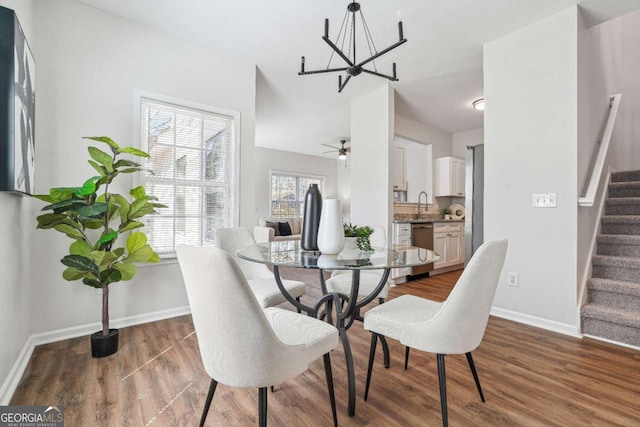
(264, 234)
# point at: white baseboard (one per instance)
(17, 370)
(622, 344)
(538, 322)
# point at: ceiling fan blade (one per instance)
(331, 151)
(331, 146)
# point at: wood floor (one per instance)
(530, 377)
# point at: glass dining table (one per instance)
(347, 307)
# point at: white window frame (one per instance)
(138, 94)
(296, 174)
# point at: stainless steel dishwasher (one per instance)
(422, 237)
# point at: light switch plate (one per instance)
(544, 200)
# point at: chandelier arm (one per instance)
(382, 52)
(337, 50)
(392, 78)
(341, 85)
(326, 70)
(353, 33)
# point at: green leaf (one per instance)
(70, 231)
(50, 220)
(135, 241)
(72, 274)
(45, 197)
(81, 263)
(93, 224)
(134, 151)
(118, 252)
(101, 157)
(138, 192)
(124, 206)
(100, 169)
(80, 247)
(143, 254)
(130, 225)
(61, 193)
(92, 282)
(104, 139)
(110, 275)
(130, 170)
(90, 212)
(123, 162)
(103, 258)
(140, 208)
(126, 269)
(107, 238)
(88, 187)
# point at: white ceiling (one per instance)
(440, 67)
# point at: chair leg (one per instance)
(207, 404)
(385, 351)
(443, 390)
(297, 309)
(272, 389)
(475, 375)
(262, 407)
(406, 358)
(332, 396)
(372, 355)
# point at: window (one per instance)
(288, 191)
(192, 169)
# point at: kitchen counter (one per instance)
(424, 221)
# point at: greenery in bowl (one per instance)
(361, 234)
(94, 218)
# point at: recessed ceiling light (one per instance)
(478, 104)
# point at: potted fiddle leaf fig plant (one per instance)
(100, 223)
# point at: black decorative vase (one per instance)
(103, 346)
(311, 219)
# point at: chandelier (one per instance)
(353, 67)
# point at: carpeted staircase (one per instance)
(613, 307)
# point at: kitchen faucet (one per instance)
(426, 202)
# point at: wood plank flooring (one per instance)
(530, 377)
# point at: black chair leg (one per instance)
(272, 389)
(332, 396)
(406, 358)
(262, 407)
(207, 404)
(442, 379)
(475, 375)
(372, 355)
(385, 351)
(297, 309)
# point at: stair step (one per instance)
(624, 189)
(620, 224)
(622, 206)
(614, 293)
(614, 324)
(616, 268)
(625, 176)
(619, 245)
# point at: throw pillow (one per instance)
(275, 226)
(285, 229)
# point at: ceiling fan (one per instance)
(342, 150)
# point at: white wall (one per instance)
(89, 64)
(371, 142)
(463, 139)
(343, 190)
(530, 84)
(284, 161)
(15, 226)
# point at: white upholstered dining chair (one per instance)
(455, 326)
(260, 278)
(241, 344)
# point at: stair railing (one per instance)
(598, 165)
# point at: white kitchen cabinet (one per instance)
(450, 177)
(399, 168)
(402, 237)
(448, 242)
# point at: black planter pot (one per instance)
(103, 346)
(311, 219)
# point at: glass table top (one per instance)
(290, 254)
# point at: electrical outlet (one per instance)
(513, 279)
